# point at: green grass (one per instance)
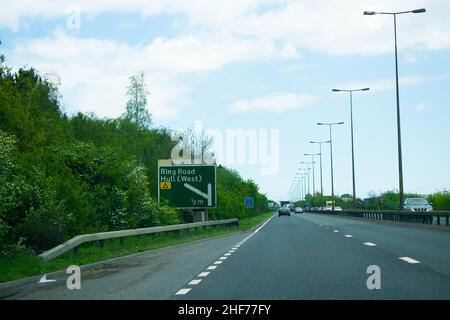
(27, 266)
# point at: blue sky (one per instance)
(256, 64)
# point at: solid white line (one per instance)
(409, 260)
(370, 244)
(348, 236)
(218, 262)
(203, 274)
(195, 281)
(183, 291)
(211, 268)
(263, 225)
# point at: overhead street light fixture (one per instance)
(350, 91)
(399, 135)
(331, 156)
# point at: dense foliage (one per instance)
(62, 176)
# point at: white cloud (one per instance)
(389, 84)
(420, 107)
(273, 103)
(333, 27)
(94, 73)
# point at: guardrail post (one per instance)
(438, 220)
(122, 242)
(75, 250)
(101, 244)
(446, 221)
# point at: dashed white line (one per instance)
(211, 268)
(227, 254)
(370, 244)
(223, 258)
(218, 262)
(335, 231)
(348, 236)
(195, 282)
(409, 260)
(203, 274)
(183, 291)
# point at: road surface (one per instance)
(304, 256)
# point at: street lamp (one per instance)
(400, 160)
(331, 156)
(320, 153)
(306, 174)
(351, 126)
(313, 169)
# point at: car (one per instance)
(417, 205)
(298, 210)
(337, 209)
(284, 211)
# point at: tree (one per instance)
(137, 101)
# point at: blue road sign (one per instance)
(248, 202)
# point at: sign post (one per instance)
(249, 204)
(187, 186)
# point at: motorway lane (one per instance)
(429, 245)
(296, 258)
(155, 275)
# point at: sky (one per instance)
(262, 66)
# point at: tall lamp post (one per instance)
(320, 152)
(312, 155)
(331, 156)
(400, 160)
(351, 126)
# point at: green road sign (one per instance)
(187, 186)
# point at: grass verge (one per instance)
(27, 266)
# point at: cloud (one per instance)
(273, 103)
(94, 73)
(389, 84)
(332, 27)
(420, 107)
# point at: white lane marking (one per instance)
(45, 280)
(227, 254)
(218, 262)
(234, 249)
(335, 231)
(203, 274)
(211, 268)
(183, 291)
(370, 244)
(195, 281)
(263, 225)
(409, 260)
(348, 236)
(223, 258)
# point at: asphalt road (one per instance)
(298, 257)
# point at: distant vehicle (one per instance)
(417, 205)
(284, 211)
(337, 209)
(298, 210)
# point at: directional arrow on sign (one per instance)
(207, 196)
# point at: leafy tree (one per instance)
(137, 101)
